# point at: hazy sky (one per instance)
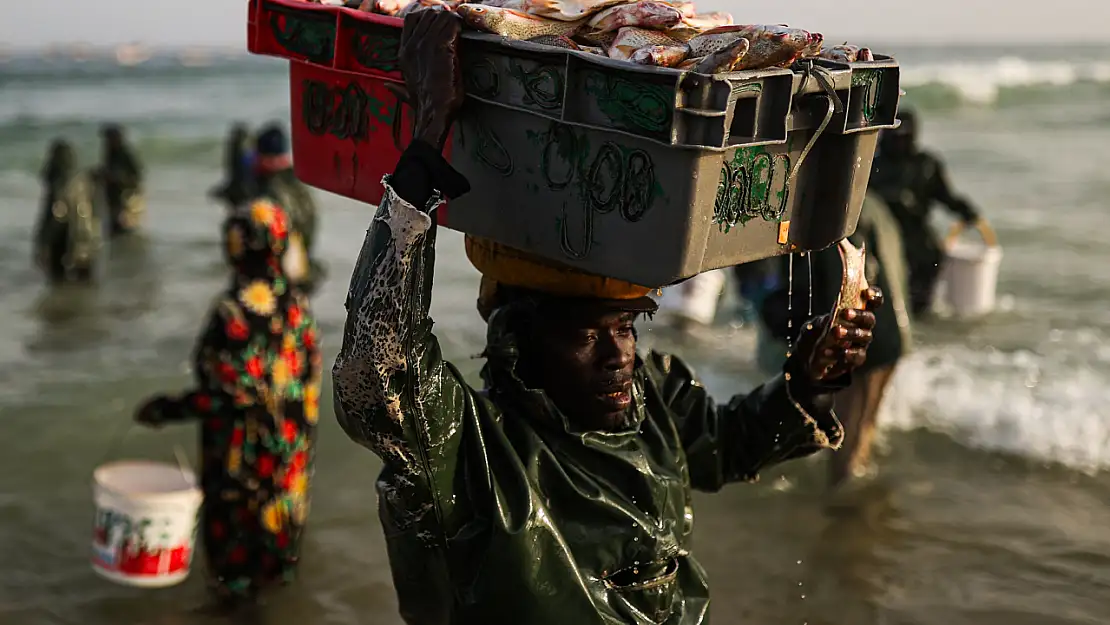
(35, 23)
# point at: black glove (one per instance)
(429, 58)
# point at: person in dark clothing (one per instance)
(121, 180)
(67, 234)
(258, 369)
(274, 179)
(858, 405)
(562, 492)
(911, 180)
(238, 184)
(754, 281)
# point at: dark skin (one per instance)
(584, 358)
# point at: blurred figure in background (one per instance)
(910, 180)
(858, 405)
(258, 369)
(67, 235)
(275, 180)
(238, 184)
(121, 179)
(754, 281)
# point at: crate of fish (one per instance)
(636, 140)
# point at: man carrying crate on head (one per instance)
(561, 493)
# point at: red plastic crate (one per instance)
(348, 130)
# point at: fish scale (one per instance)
(513, 24)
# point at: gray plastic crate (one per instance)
(654, 175)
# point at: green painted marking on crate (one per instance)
(543, 85)
(754, 183)
(307, 35)
(485, 146)
(632, 105)
(342, 111)
(377, 50)
(612, 177)
(871, 81)
(481, 78)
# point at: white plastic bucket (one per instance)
(695, 299)
(969, 277)
(146, 521)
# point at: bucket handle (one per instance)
(183, 465)
(985, 231)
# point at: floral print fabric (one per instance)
(258, 369)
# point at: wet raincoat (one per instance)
(496, 509)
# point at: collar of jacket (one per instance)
(507, 389)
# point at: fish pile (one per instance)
(661, 33)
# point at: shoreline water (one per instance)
(990, 507)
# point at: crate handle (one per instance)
(835, 108)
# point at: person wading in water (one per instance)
(911, 180)
(561, 493)
(258, 369)
(121, 179)
(67, 235)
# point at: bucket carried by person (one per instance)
(969, 277)
(146, 520)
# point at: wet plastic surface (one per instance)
(647, 174)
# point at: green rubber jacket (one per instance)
(496, 510)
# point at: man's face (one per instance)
(585, 360)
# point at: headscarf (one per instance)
(272, 150)
(61, 163)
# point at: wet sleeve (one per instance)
(734, 442)
(222, 366)
(942, 192)
(394, 394)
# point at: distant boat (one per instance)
(132, 54)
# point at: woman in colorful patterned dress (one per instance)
(258, 371)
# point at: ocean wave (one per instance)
(1049, 407)
(986, 82)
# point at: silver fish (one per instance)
(642, 14)
(846, 54)
(660, 56)
(512, 24)
(771, 46)
(725, 59)
(630, 39)
(556, 41)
